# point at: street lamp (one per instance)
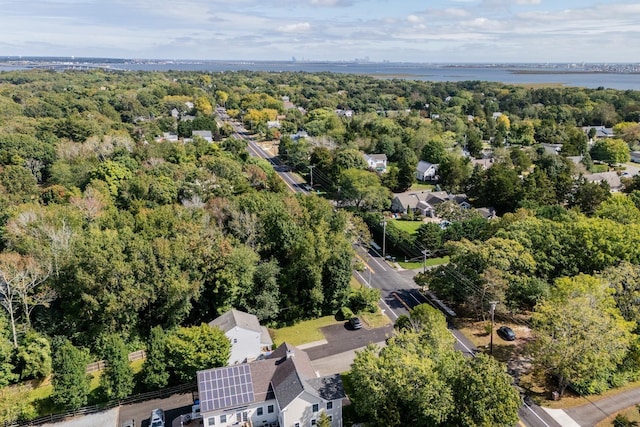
(493, 309)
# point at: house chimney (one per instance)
(289, 354)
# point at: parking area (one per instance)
(173, 407)
(341, 338)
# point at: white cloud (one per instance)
(301, 27)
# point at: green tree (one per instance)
(196, 348)
(581, 338)
(323, 420)
(588, 196)
(7, 375)
(483, 394)
(624, 279)
(117, 378)
(34, 356)
(70, 381)
(155, 374)
(363, 190)
(611, 150)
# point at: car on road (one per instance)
(355, 323)
(157, 418)
(129, 423)
(506, 333)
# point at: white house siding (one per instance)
(236, 416)
(245, 344)
(301, 411)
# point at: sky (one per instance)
(427, 31)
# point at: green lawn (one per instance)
(408, 226)
(302, 332)
(418, 186)
(419, 264)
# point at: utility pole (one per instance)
(311, 173)
(384, 236)
(493, 309)
(424, 261)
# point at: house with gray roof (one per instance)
(425, 202)
(204, 134)
(282, 389)
(611, 178)
(426, 171)
(248, 338)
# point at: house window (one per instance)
(211, 421)
(270, 409)
(296, 425)
(223, 418)
(259, 411)
(330, 418)
(313, 422)
(235, 340)
(315, 407)
(329, 406)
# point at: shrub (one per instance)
(344, 313)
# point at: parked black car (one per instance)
(506, 333)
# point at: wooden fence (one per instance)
(100, 364)
(93, 409)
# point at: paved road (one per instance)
(399, 293)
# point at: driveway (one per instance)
(340, 338)
(173, 407)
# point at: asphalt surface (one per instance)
(173, 407)
(399, 294)
(340, 338)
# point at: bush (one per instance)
(344, 313)
(403, 322)
(364, 299)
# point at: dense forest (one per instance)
(109, 228)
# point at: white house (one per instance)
(248, 338)
(426, 171)
(377, 162)
(205, 134)
(280, 390)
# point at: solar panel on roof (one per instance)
(225, 387)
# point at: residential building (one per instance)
(205, 134)
(426, 171)
(425, 202)
(248, 338)
(611, 178)
(280, 390)
(377, 162)
(600, 132)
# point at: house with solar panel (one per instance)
(248, 338)
(280, 390)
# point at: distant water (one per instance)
(423, 72)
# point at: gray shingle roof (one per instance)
(284, 374)
(329, 387)
(233, 318)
